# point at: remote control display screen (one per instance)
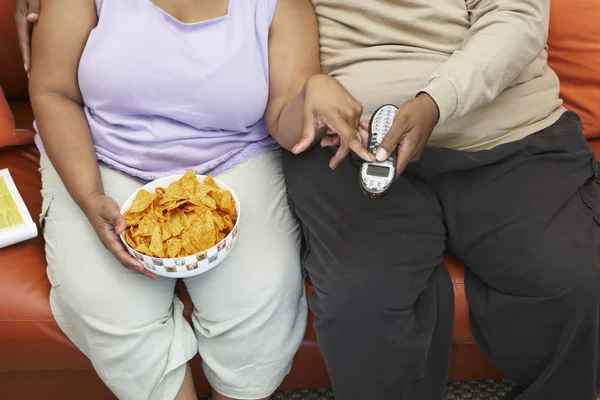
(378, 170)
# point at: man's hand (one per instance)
(412, 127)
(27, 14)
(328, 105)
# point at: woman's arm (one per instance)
(293, 58)
(301, 100)
(59, 38)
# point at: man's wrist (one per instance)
(430, 105)
(444, 95)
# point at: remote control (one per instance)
(376, 177)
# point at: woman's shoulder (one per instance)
(98, 5)
(260, 9)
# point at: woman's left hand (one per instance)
(327, 104)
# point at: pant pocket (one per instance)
(47, 200)
(590, 192)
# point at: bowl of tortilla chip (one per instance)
(181, 225)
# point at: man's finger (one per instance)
(364, 124)
(391, 140)
(23, 34)
(417, 156)
(406, 151)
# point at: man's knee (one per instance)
(359, 297)
(583, 289)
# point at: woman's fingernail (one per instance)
(381, 155)
(25, 67)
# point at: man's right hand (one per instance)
(27, 14)
(106, 219)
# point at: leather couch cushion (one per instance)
(574, 48)
(7, 123)
(23, 114)
(8, 135)
(13, 78)
(26, 322)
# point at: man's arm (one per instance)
(505, 37)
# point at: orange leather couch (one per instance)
(38, 362)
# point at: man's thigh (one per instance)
(528, 224)
(353, 244)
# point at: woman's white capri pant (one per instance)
(249, 312)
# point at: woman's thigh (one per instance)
(250, 311)
(117, 318)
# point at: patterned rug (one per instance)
(480, 390)
(484, 390)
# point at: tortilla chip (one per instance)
(142, 201)
(183, 219)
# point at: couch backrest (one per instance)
(574, 43)
(13, 78)
(574, 55)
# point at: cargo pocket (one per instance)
(590, 192)
(47, 200)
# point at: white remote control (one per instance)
(376, 177)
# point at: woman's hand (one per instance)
(106, 219)
(327, 104)
(27, 14)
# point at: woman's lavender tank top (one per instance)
(162, 96)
